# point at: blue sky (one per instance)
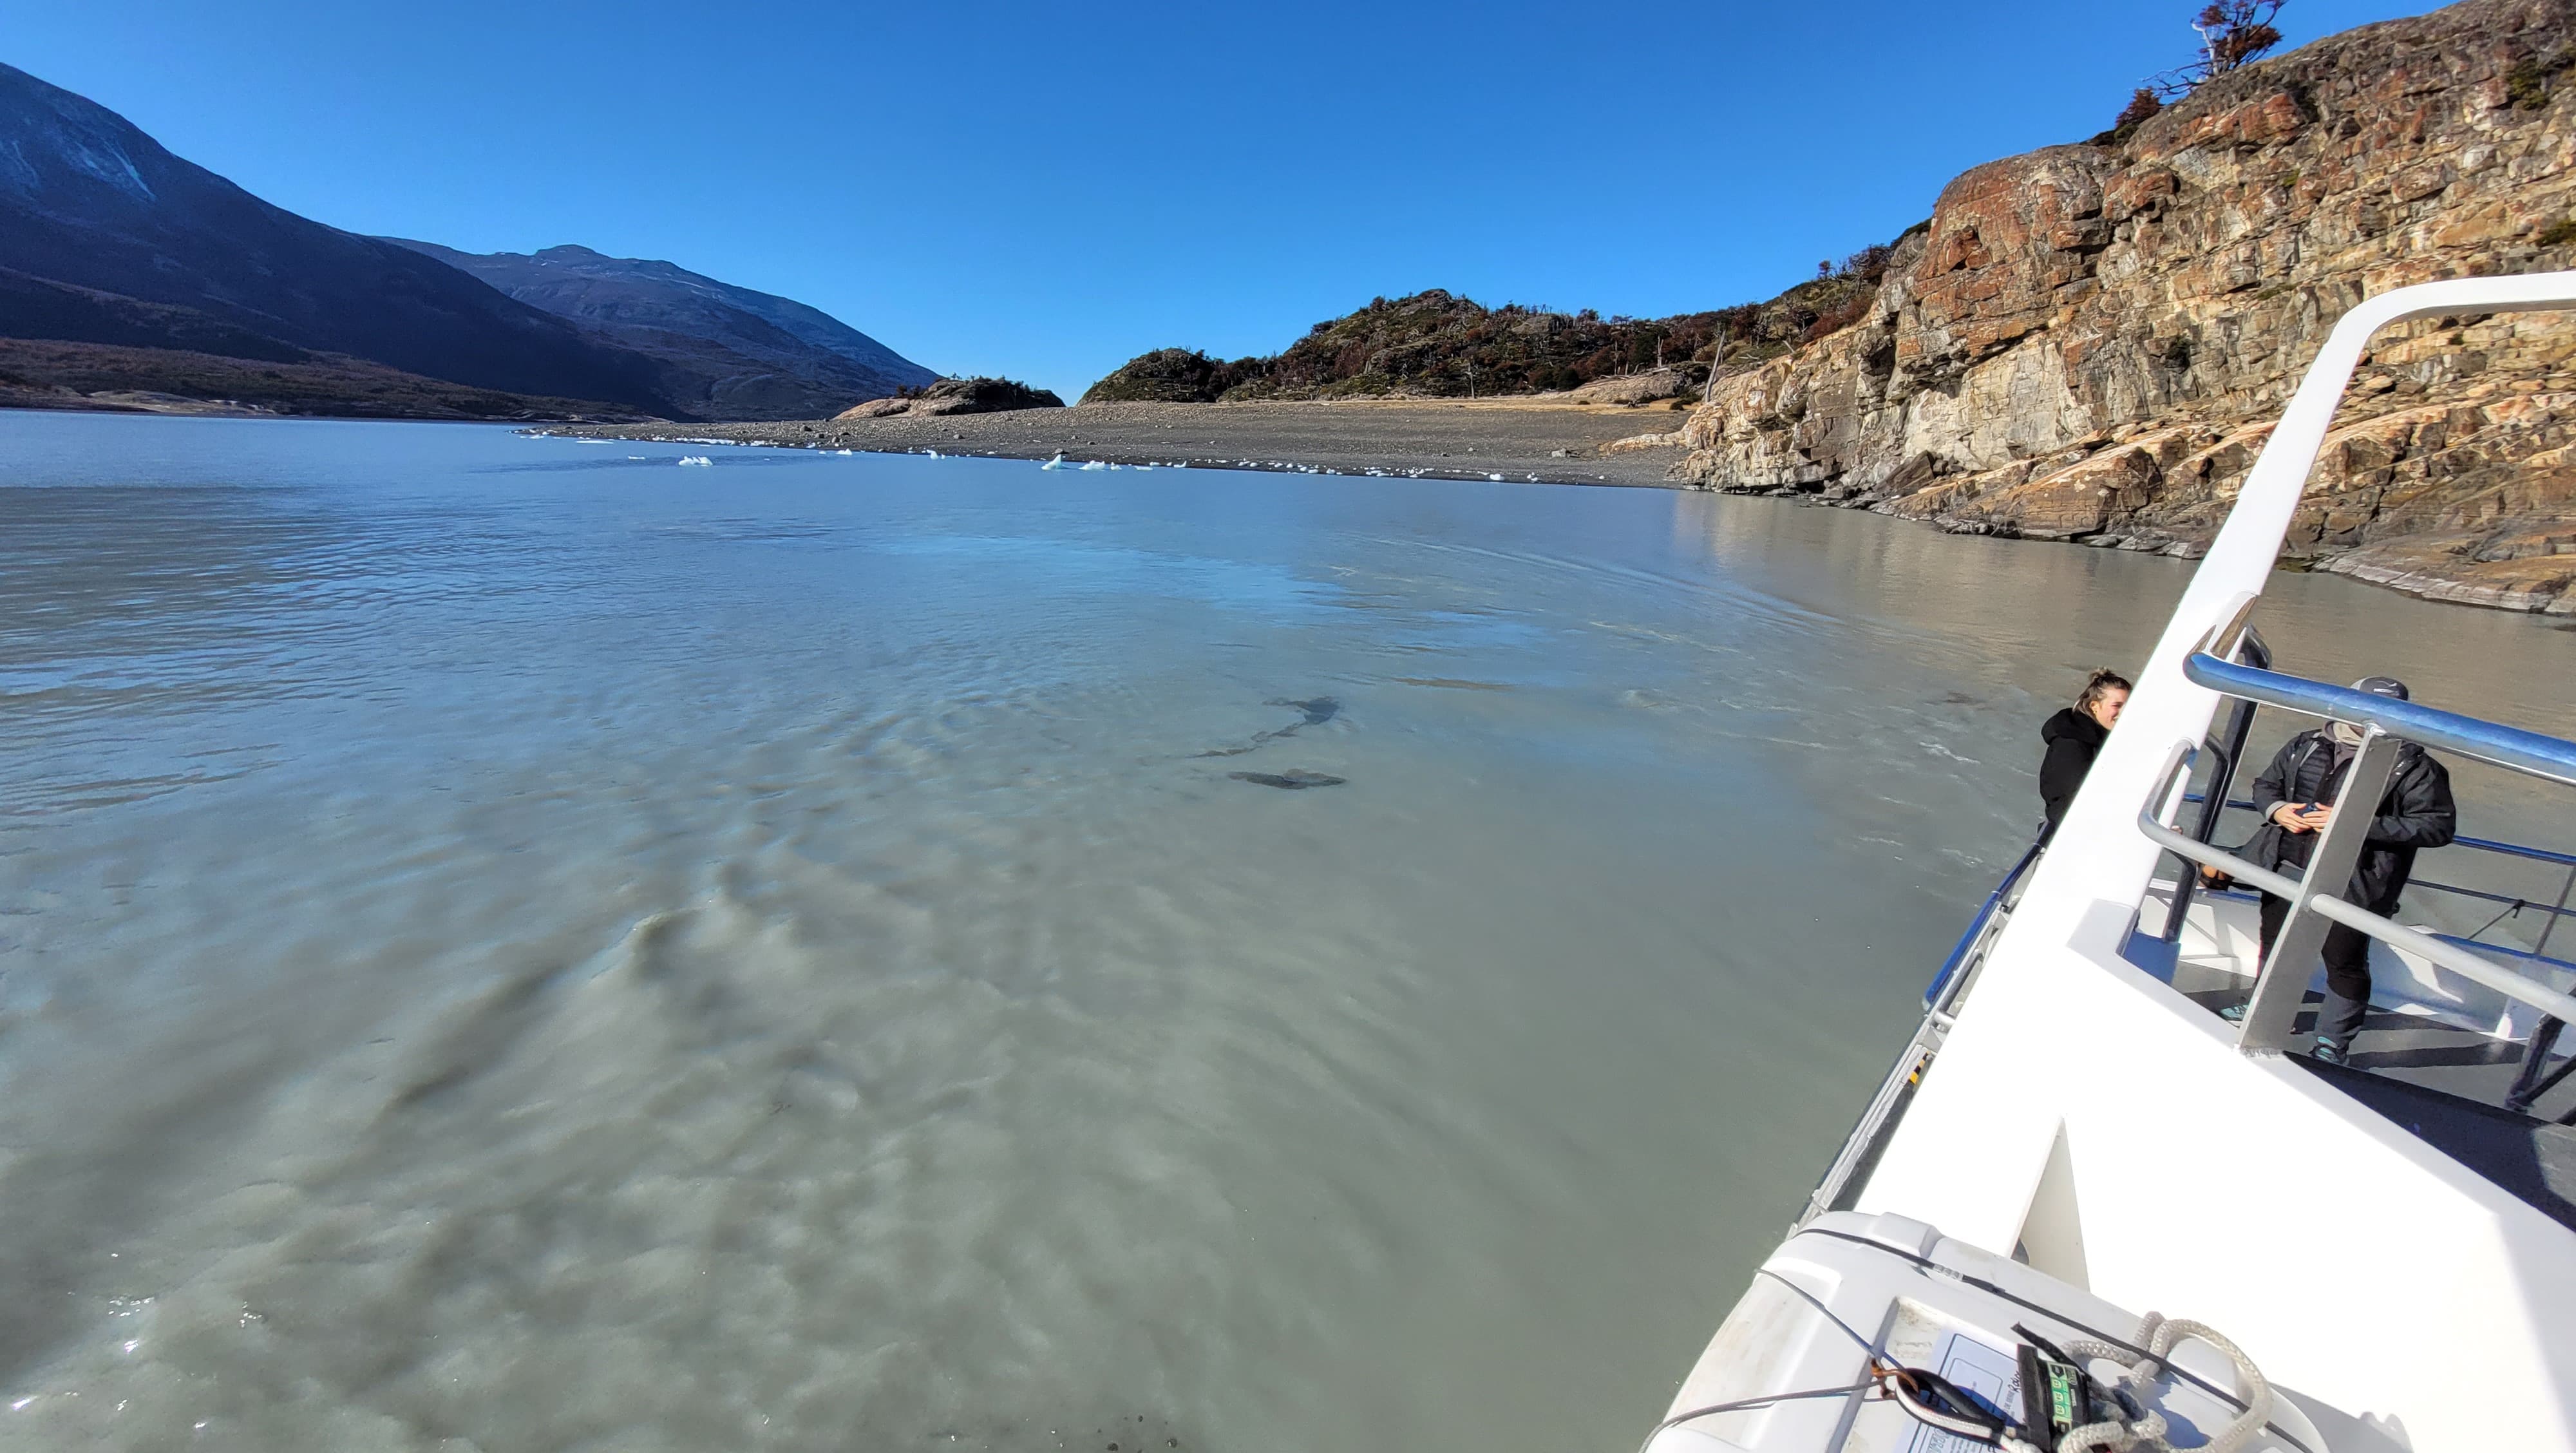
(1045, 190)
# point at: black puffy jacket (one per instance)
(2417, 812)
(2073, 739)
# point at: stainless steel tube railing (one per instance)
(2459, 960)
(2384, 723)
(1980, 931)
(2511, 747)
(2549, 913)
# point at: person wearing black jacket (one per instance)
(2074, 737)
(2294, 795)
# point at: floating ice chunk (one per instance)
(1496, 478)
(1094, 464)
(698, 459)
(844, 453)
(1056, 463)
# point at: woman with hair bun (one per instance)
(2073, 736)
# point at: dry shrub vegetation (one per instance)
(1436, 344)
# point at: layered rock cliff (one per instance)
(2091, 342)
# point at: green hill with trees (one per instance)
(1436, 344)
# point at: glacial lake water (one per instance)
(508, 944)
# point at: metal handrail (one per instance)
(1932, 996)
(2479, 844)
(2460, 961)
(2456, 890)
(2511, 747)
(2535, 905)
(2474, 967)
(2227, 745)
(1938, 1001)
(2513, 850)
(2508, 950)
(2463, 840)
(2267, 1016)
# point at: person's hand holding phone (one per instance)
(2299, 817)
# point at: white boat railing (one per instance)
(2065, 1045)
(2226, 588)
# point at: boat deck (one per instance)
(2442, 1081)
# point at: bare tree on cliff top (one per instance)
(2232, 33)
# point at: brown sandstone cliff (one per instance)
(2091, 342)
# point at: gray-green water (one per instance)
(509, 945)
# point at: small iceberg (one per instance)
(698, 459)
(1056, 463)
(1094, 464)
(843, 453)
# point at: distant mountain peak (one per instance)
(100, 211)
(788, 359)
(49, 136)
(107, 238)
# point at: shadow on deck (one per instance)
(2446, 1086)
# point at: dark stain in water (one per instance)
(1317, 711)
(1290, 781)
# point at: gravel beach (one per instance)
(1518, 440)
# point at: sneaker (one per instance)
(2234, 1013)
(2328, 1052)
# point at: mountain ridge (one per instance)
(109, 239)
(728, 351)
(88, 200)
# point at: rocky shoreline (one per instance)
(2090, 343)
(1515, 441)
(1518, 441)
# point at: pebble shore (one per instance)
(1518, 441)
